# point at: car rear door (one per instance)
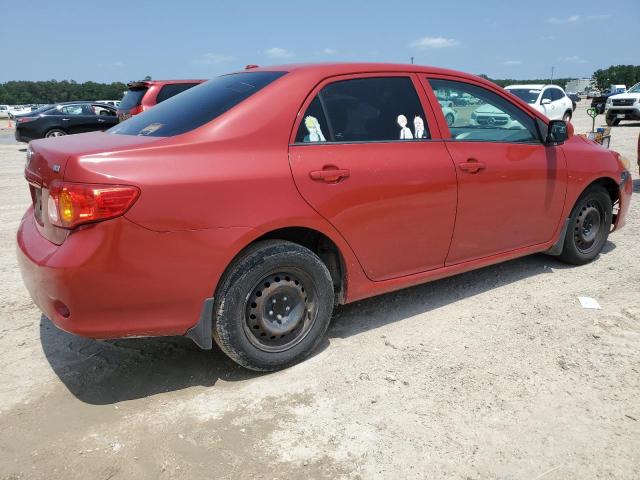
(366, 154)
(511, 187)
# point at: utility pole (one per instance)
(411, 60)
(551, 74)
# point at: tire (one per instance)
(291, 278)
(450, 119)
(589, 226)
(567, 116)
(55, 132)
(612, 122)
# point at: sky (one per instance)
(116, 40)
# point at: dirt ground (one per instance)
(497, 373)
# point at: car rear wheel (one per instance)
(273, 305)
(589, 226)
(450, 119)
(55, 132)
(612, 122)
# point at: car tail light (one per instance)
(25, 119)
(136, 110)
(73, 204)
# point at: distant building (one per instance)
(578, 85)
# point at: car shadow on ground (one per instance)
(636, 186)
(105, 372)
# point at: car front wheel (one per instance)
(567, 117)
(589, 226)
(273, 305)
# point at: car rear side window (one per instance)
(488, 117)
(379, 109)
(172, 90)
(196, 106)
(132, 98)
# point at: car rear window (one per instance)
(132, 98)
(196, 106)
(172, 90)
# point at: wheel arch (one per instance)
(317, 241)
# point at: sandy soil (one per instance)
(497, 373)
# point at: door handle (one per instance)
(330, 174)
(101, 120)
(472, 166)
(66, 119)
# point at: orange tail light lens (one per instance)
(73, 204)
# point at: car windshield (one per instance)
(635, 88)
(526, 94)
(196, 106)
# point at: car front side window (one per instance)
(487, 116)
(372, 109)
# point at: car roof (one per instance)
(80, 102)
(148, 83)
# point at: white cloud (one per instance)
(434, 42)
(328, 51)
(564, 21)
(213, 58)
(512, 62)
(116, 64)
(573, 59)
(276, 52)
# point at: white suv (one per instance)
(624, 106)
(547, 99)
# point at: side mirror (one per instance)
(545, 101)
(557, 133)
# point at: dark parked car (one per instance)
(64, 119)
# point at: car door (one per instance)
(511, 186)
(105, 117)
(78, 118)
(547, 103)
(365, 153)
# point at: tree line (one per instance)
(53, 91)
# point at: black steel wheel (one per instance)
(273, 305)
(280, 310)
(589, 226)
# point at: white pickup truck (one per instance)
(623, 106)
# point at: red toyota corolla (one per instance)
(244, 208)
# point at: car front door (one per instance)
(366, 154)
(547, 103)
(511, 187)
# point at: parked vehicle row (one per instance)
(242, 210)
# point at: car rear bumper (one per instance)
(21, 137)
(117, 279)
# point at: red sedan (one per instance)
(244, 209)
